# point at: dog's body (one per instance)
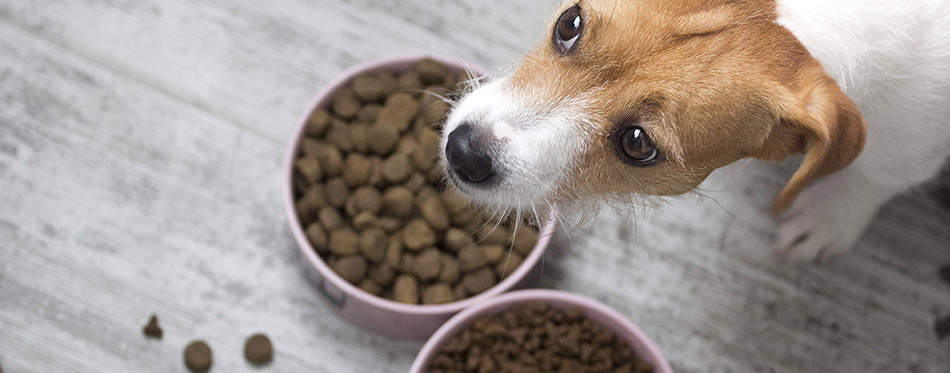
(647, 97)
(893, 60)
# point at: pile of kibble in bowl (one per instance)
(370, 197)
(536, 337)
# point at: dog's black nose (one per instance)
(467, 156)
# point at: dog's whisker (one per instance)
(441, 97)
(724, 209)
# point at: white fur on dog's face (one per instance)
(536, 142)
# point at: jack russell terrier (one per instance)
(647, 97)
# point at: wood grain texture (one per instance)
(140, 147)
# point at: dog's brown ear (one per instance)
(816, 118)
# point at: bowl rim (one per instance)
(321, 99)
(510, 299)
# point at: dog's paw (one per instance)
(812, 236)
(824, 220)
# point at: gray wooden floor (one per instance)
(140, 147)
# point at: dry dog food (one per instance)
(152, 329)
(198, 356)
(258, 349)
(368, 194)
(536, 337)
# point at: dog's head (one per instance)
(648, 97)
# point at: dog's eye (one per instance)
(568, 29)
(637, 146)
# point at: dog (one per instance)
(627, 98)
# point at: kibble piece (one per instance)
(258, 349)
(359, 137)
(494, 235)
(315, 198)
(404, 100)
(449, 271)
(423, 159)
(437, 294)
(331, 161)
(417, 235)
(391, 117)
(310, 147)
(471, 258)
(420, 124)
(459, 292)
(305, 214)
(406, 145)
(409, 81)
(433, 114)
(300, 184)
(370, 286)
(388, 224)
(435, 174)
(309, 168)
(374, 86)
(431, 71)
(337, 192)
(425, 192)
(364, 199)
(317, 237)
(364, 220)
(356, 169)
(429, 145)
(344, 241)
(454, 202)
(382, 138)
(394, 251)
(406, 289)
(476, 223)
(376, 172)
(462, 216)
(198, 356)
(368, 113)
(152, 329)
(456, 239)
(352, 268)
(382, 274)
(398, 112)
(345, 103)
(479, 281)
(373, 242)
(433, 211)
(508, 264)
(330, 218)
(427, 265)
(406, 263)
(338, 134)
(430, 99)
(494, 253)
(397, 168)
(317, 123)
(525, 239)
(416, 181)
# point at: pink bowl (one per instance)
(360, 308)
(594, 310)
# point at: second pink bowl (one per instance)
(606, 316)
